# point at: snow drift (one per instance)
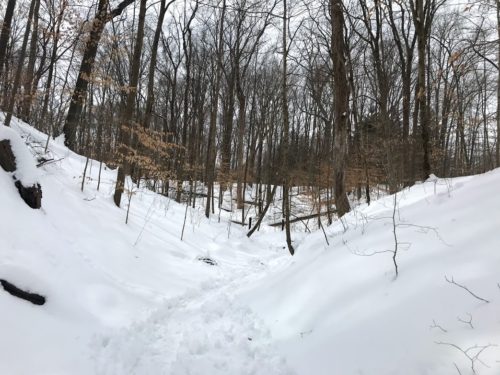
(338, 309)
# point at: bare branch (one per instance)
(372, 253)
(435, 325)
(473, 358)
(119, 8)
(425, 230)
(452, 281)
(469, 322)
(48, 161)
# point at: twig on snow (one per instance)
(468, 322)
(435, 325)
(372, 253)
(465, 288)
(302, 334)
(473, 358)
(49, 161)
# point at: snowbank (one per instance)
(339, 310)
(26, 170)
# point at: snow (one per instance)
(135, 299)
(334, 310)
(26, 171)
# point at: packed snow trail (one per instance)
(203, 332)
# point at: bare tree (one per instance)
(211, 151)
(5, 33)
(341, 105)
(286, 125)
(103, 15)
(423, 12)
(20, 64)
(128, 111)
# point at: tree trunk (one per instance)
(341, 106)
(29, 90)
(420, 18)
(5, 33)
(20, 63)
(497, 150)
(211, 152)
(182, 158)
(128, 111)
(152, 65)
(227, 132)
(286, 125)
(52, 65)
(239, 151)
(86, 68)
(263, 213)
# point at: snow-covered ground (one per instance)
(338, 309)
(135, 299)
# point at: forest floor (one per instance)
(135, 299)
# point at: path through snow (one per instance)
(202, 332)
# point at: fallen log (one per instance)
(34, 298)
(252, 203)
(32, 193)
(301, 218)
(7, 158)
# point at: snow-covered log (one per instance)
(16, 159)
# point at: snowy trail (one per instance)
(205, 331)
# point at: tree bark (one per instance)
(341, 106)
(20, 63)
(421, 20)
(152, 64)
(5, 33)
(29, 90)
(86, 68)
(286, 125)
(240, 204)
(128, 111)
(263, 213)
(52, 65)
(211, 152)
(497, 150)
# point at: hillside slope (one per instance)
(338, 309)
